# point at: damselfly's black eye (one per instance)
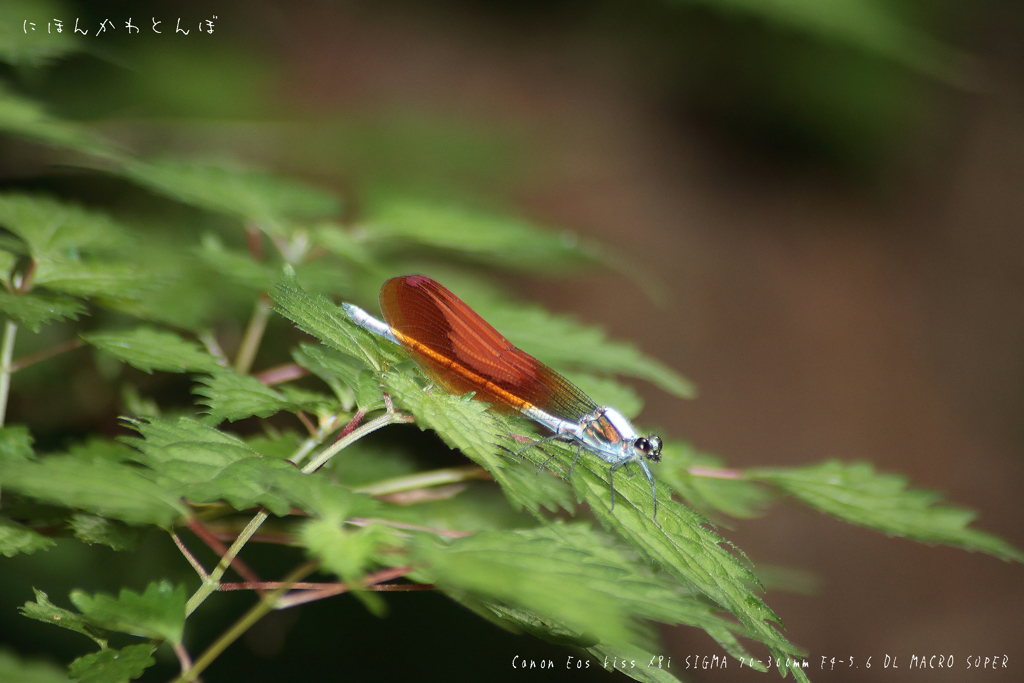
(650, 447)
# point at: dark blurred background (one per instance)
(828, 198)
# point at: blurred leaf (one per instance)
(55, 229)
(560, 341)
(346, 552)
(15, 444)
(230, 396)
(35, 308)
(230, 189)
(106, 488)
(92, 529)
(92, 278)
(28, 671)
(732, 493)
(148, 349)
(236, 265)
(406, 224)
(26, 118)
(28, 34)
(608, 392)
(858, 494)
(45, 611)
(16, 538)
(113, 666)
(867, 25)
(158, 613)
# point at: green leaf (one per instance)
(858, 494)
(28, 32)
(481, 435)
(26, 118)
(346, 552)
(44, 610)
(869, 26)
(227, 188)
(149, 349)
(705, 484)
(185, 449)
(412, 225)
(35, 308)
(681, 544)
(16, 538)
(237, 266)
(27, 671)
(569, 574)
(108, 280)
(15, 444)
(349, 380)
(316, 315)
(113, 666)
(92, 529)
(106, 488)
(245, 484)
(59, 230)
(561, 342)
(230, 396)
(158, 613)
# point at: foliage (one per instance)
(152, 294)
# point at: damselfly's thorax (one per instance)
(608, 433)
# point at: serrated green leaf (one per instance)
(350, 381)
(318, 496)
(245, 484)
(230, 396)
(228, 188)
(106, 488)
(857, 493)
(149, 349)
(35, 308)
(159, 612)
(17, 539)
(316, 315)
(481, 435)
(185, 450)
(17, 670)
(681, 544)
(15, 444)
(408, 224)
(113, 666)
(26, 118)
(44, 610)
(314, 402)
(92, 529)
(59, 230)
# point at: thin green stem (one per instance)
(258, 611)
(6, 353)
(356, 434)
(422, 480)
(253, 335)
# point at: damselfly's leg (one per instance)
(572, 469)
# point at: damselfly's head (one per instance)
(649, 447)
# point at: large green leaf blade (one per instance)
(230, 396)
(150, 349)
(106, 488)
(857, 493)
(113, 666)
(159, 612)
